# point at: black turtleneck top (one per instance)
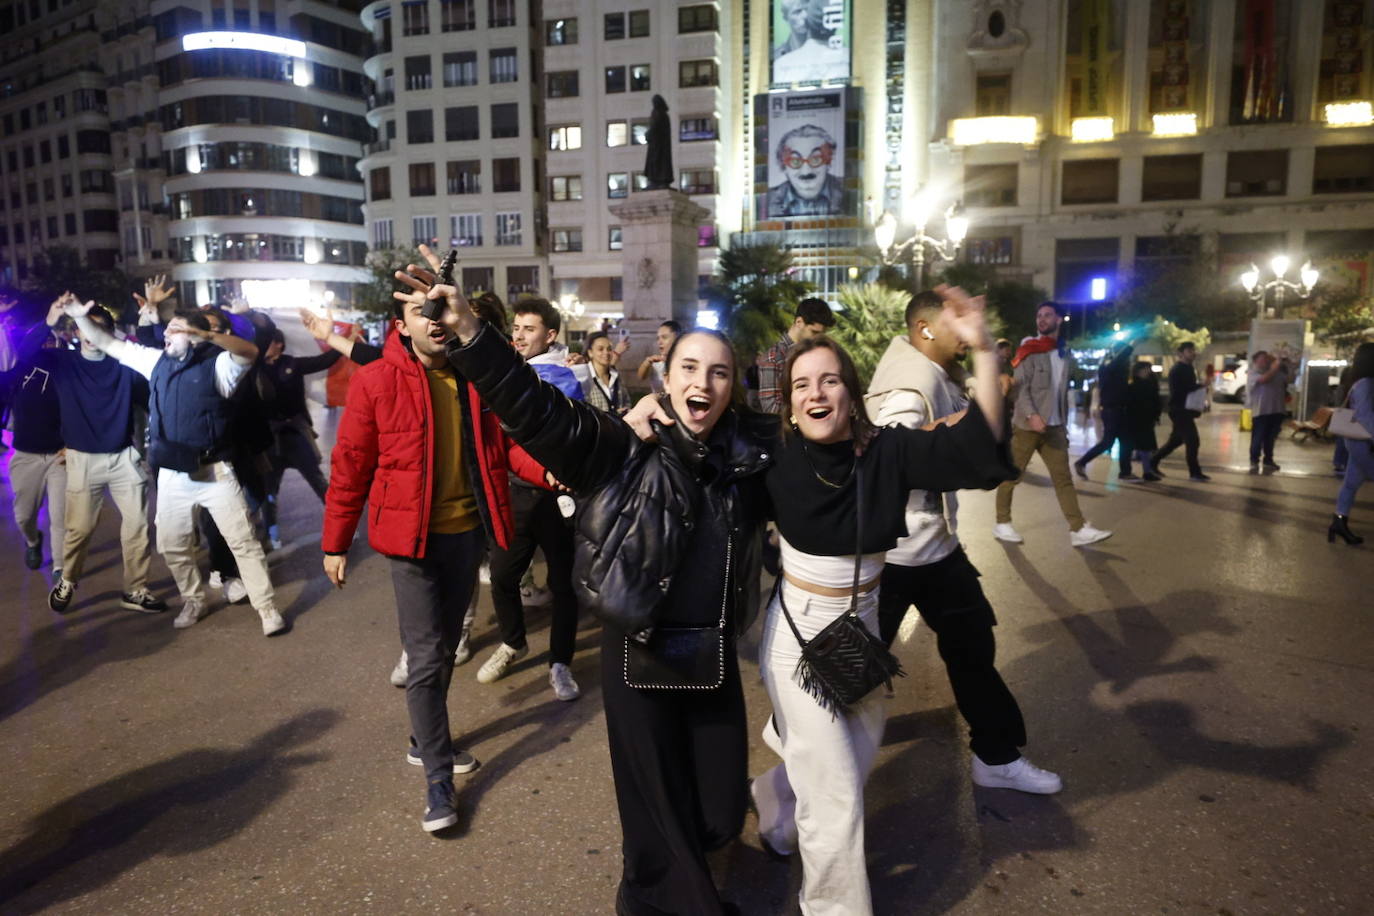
(818, 517)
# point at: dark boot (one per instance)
(1340, 525)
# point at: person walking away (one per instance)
(38, 462)
(1182, 383)
(1266, 388)
(813, 318)
(1142, 416)
(918, 381)
(1359, 453)
(1040, 419)
(1112, 378)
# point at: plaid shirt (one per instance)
(770, 367)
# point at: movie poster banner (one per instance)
(811, 41)
(806, 155)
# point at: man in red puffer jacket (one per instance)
(418, 446)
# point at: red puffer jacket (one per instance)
(384, 456)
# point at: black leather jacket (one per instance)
(653, 519)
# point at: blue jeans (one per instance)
(1359, 469)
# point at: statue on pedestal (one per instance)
(658, 155)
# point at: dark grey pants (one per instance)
(432, 594)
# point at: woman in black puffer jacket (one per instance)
(668, 536)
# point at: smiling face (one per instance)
(699, 382)
(427, 338)
(1047, 320)
(530, 336)
(601, 353)
(821, 404)
(806, 163)
(664, 338)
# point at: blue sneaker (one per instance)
(439, 806)
(463, 762)
(33, 553)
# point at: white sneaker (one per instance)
(272, 622)
(1005, 532)
(561, 680)
(484, 573)
(235, 591)
(1087, 535)
(1020, 774)
(495, 666)
(216, 581)
(191, 612)
(534, 596)
(401, 671)
(464, 650)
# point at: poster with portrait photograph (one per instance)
(810, 41)
(805, 155)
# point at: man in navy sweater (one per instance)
(97, 398)
(38, 466)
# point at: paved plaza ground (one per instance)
(1203, 682)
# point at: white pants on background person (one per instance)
(814, 800)
(215, 489)
(89, 474)
(32, 476)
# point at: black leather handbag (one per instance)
(844, 662)
(680, 658)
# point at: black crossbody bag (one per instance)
(681, 658)
(844, 662)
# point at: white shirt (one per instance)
(829, 572)
(228, 371)
(1058, 368)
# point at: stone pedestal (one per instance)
(658, 231)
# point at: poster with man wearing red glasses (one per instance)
(806, 163)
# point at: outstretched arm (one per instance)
(91, 332)
(967, 318)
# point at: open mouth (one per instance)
(438, 335)
(698, 407)
(819, 413)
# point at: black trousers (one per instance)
(952, 603)
(538, 523)
(432, 595)
(680, 761)
(294, 449)
(1185, 434)
(1113, 429)
(1263, 434)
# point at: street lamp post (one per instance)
(1281, 285)
(914, 248)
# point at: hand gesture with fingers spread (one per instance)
(157, 290)
(966, 316)
(75, 308)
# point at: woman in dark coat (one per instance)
(1142, 416)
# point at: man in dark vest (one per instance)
(190, 382)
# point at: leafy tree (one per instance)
(1005, 297)
(374, 296)
(1182, 284)
(60, 268)
(1342, 315)
(873, 314)
(755, 293)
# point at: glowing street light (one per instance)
(1281, 285)
(917, 210)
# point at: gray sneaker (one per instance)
(561, 680)
(463, 762)
(191, 612)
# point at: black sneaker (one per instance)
(463, 762)
(1270, 466)
(1152, 477)
(143, 601)
(1199, 477)
(33, 554)
(1127, 476)
(60, 598)
(440, 810)
(1080, 470)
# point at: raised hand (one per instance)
(966, 316)
(156, 290)
(638, 417)
(320, 327)
(74, 308)
(181, 326)
(58, 308)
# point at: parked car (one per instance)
(1229, 383)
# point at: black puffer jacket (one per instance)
(653, 520)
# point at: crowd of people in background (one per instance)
(472, 439)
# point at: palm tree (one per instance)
(873, 314)
(755, 293)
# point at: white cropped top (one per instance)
(829, 572)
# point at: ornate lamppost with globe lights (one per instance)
(1280, 285)
(918, 211)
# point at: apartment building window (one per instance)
(422, 179)
(415, 17)
(560, 31)
(639, 78)
(992, 95)
(52, 227)
(418, 74)
(638, 181)
(500, 13)
(380, 180)
(1090, 181)
(506, 174)
(478, 279)
(565, 187)
(1078, 261)
(49, 189)
(45, 151)
(460, 68)
(424, 230)
(617, 133)
(505, 119)
(639, 131)
(508, 229)
(64, 147)
(699, 18)
(992, 250)
(461, 123)
(561, 84)
(565, 137)
(466, 229)
(31, 190)
(465, 176)
(692, 73)
(420, 126)
(1343, 169)
(458, 15)
(706, 235)
(1172, 177)
(67, 185)
(69, 224)
(697, 181)
(614, 239)
(618, 184)
(505, 66)
(614, 28)
(59, 107)
(565, 240)
(697, 128)
(639, 23)
(28, 157)
(1257, 173)
(615, 79)
(381, 233)
(990, 185)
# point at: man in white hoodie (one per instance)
(917, 383)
